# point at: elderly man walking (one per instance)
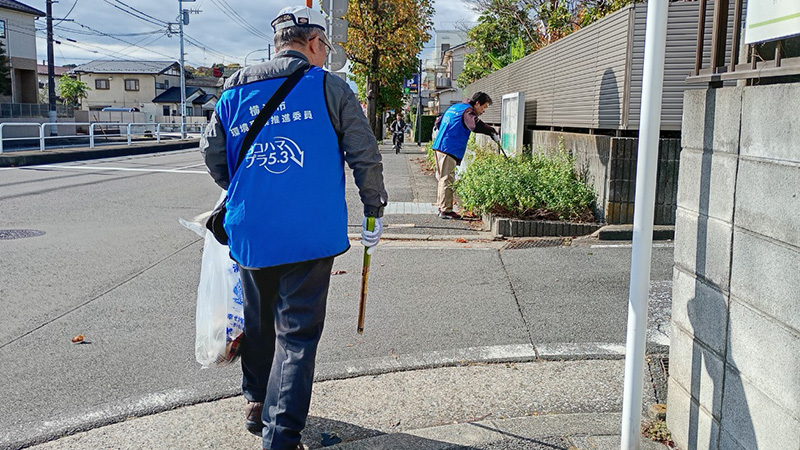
(454, 128)
(286, 214)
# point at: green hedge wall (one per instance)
(427, 127)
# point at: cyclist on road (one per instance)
(398, 127)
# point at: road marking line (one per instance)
(126, 169)
(193, 165)
(666, 245)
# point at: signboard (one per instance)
(336, 61)
(512, 122)
(338, 31)
(335, 8)
(768, 20)
(411, 83)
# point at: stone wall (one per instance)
(735, 341)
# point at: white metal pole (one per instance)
(183, 78)
(650, 124)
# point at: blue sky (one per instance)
(102, 30)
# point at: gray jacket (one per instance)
(356, 139)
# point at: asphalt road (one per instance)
(114, 265)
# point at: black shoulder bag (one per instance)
(215, 220)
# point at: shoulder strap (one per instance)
(267, 111)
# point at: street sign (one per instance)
(335, 8)
(411, 83)
(341, 75)
(337, 60)
(338, 31)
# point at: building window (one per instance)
(2, 28)
(165, 110)
(166, 84)
(132, 85)
(101, 83)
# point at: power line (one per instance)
(140, 12)
(145, 19)
(238, 19)
(68, 13)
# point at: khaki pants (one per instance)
(445, 166)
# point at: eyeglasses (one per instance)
(324, 45)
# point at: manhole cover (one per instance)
(6, 235)
(535, 243)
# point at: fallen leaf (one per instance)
(339, 272)
(461, 241)
(78, 339)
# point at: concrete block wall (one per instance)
(609, 165)
(735, 342)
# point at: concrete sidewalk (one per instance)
(565, 405)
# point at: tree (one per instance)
(510, 29)
(5, 77)
(383, 41)
(501, 25)
(71, 90)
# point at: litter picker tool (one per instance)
(501, 150)
(362, 305)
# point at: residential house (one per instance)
(18, 36)
(198, 102)
(447, 92)
(129, 84)
(41, 72)
(212, 86)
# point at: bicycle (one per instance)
(397, 141)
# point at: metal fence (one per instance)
(757, 62)
(19, 110)
(93, 133)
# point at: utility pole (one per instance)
(51, 83)
(181, 18)
(419, 104)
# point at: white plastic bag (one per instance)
(219, 319)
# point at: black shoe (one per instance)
(252, 420)
(449, 215)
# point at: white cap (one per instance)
(302, 16)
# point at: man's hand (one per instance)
(496, 138)
(370, 239)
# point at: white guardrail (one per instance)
(98, 130)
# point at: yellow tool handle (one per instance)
(362, 305)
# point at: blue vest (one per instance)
(453, 134)
(286, 202)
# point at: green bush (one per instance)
(427, 127)
(430, 157)
(525, 187)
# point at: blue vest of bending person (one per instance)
(453, 134)
(286, 203)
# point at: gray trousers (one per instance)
(284, 313)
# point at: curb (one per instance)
(32, 158)
(484, 236)
(625, 233)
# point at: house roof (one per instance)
(21, 7)
(203, 81)
(116, 66)
(173, 95)
(57, 70)
(452, 49)
(203, 99)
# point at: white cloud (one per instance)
(221, 35)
